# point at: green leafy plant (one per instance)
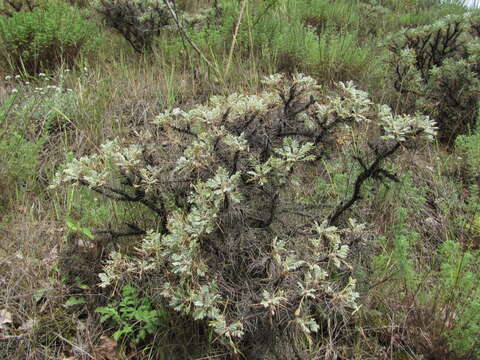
(468, 147)
(435, 297)
(74, 227)
(460, 298)
(20, 158)
(46, 37)
(133, 316)
(72, 301)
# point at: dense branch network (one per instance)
(235, 248)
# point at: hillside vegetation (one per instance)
(239, 179)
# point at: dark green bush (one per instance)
(46, 37)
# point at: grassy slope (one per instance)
(116, 92)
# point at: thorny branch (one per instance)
(372, 171)
(134, 231)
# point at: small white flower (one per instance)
(8, 77)
(42, 75)
(17, 77)
(177, 112)
(27, 82)
(14, 91)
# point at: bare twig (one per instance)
(135, 231)
(76, 347)
(188, 38)
(235, 34)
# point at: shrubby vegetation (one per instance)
(435, 69)
(165, 196)
(234, 163)
(133, 316)
(45, 36)
(29, 118)
(139, 22)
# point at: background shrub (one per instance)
(46, 37)
(10, 7)
(434, 69)
(138, 21)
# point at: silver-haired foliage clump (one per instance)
(138, 21)
(233, 248)
(436, 69)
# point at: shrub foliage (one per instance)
(10, 7)
(435, 70)
(45, 37)
(138, 21)
(232, 246)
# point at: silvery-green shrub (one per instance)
(232, 247)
